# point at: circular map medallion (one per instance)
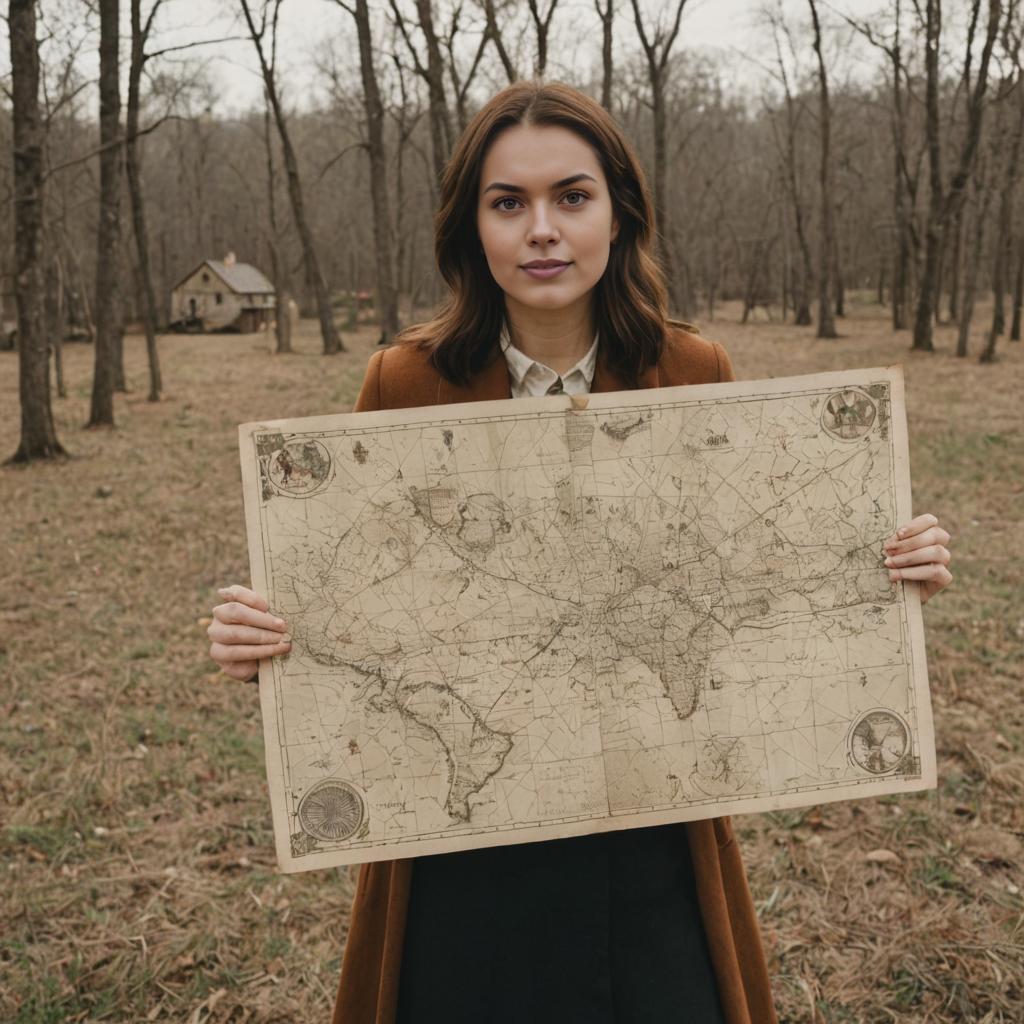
(331, 811)
(300, 467)
(879, 741)
(848, 415)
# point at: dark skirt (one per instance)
(594, 929)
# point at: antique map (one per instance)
(521, 620)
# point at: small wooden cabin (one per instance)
(225, 294)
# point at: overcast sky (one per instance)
(728, 28)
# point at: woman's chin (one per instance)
(546, 297)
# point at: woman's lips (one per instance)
(542, 273)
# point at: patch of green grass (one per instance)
(906, 989)
(276, 945)
(151, 650)
(153, 726)
(51, 840)
(938, 873)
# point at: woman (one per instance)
(545, 235)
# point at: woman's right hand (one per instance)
(244, 631)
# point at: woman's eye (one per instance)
(582, 195)
(507, 199)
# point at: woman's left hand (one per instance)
(918, 552)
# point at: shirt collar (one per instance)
(520, 364)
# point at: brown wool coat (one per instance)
(402, 377)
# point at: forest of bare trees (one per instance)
(860, 154)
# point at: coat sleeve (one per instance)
(369, 399)
(724, 365)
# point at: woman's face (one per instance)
(544, 197)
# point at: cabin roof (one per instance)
(241, 278)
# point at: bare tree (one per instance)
(387, 291)
(494, 35)
(269, 20)
(657, 47)
(906, 168)
(431, 71)
(827, 269)
(982, 188)
(278, 264)
(140, 36)
(1012, 85)
(461, 84)
(943, 201)
(108, 296)
(788, 149)
(38, 434)
(607, 16)
(542, 26)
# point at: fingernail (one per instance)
(278, 622)
(286, 639)
(890, 561)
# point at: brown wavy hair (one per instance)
(629, 301)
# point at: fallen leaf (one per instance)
(882, 857)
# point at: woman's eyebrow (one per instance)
(501, 186)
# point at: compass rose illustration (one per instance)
(879, 741)
(848, 414)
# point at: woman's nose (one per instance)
(542, 228)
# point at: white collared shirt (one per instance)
(530, 378)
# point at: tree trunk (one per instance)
(38, 434)
(658, 49)
(278, 265)
(107, 306)
(494, 34)
(1004, 220)
(387, 292)
(801, 280)
(607, 16)
(149, 315)
(955, 268)
(661, 214)
(331, 340)
(943, 203)
(903, 210)
(826, 272)
(542, 26)
(55, 320)
(1018, 291)
(440, 121)
(970, 284)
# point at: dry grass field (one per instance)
(138, 877)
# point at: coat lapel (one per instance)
(490, 383)
(606, 379)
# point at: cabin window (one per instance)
(206, 278)
(248, 300)
(219, 298)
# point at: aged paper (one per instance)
(521, 620)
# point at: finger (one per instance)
(921, 556)
(246, 652)
(934, 535)
(236, 592)
(240, 670)
(236, 613)
(916, 526)
(930, 589)
(932, 572)
(223, 633)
